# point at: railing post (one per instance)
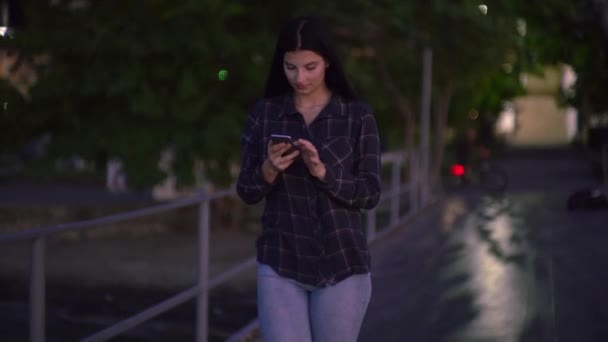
(424, 153)
(202, 302)
(37, 292)
(371, 225)
(413, 182)
(605, 163)
(396, 191)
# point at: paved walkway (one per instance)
(516, 268)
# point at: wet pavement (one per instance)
(519, 267)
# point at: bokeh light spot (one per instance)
(457, 170)
(222, 75)
(483, 9)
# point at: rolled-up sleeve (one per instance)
(359, 187)
(251, 185)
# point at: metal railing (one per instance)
(605, 164)
(200, 291)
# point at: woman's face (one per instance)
(305, 71)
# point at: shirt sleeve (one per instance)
(359, 187)
(251, 185)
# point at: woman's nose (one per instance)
(299, 76)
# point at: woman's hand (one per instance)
(276, 162)
(310, 155)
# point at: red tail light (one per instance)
(457, 170)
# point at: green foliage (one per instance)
(470, 53)
(571, 32)
(133, 77)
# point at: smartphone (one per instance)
(281, 138)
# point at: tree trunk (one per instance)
(442, 108)
(584, 115)
(403, 103)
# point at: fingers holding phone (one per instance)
(281, 152)
(311, 158)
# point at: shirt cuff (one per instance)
(330, 179)
(260, 181)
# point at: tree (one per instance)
(137, 77)
(132, 78)
(470, 51)
(571, 32)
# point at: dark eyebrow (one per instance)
(306, 65)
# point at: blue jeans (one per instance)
(292, 311)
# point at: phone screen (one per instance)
(281, 138)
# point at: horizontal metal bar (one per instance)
(80, 225)
(387, 157)
(392, 156)
(223, 277)
(244, 333)
(168, 304)
(143, 316)
(390, 194)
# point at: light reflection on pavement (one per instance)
(499, 268)
(514, 268)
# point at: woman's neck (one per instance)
(318, 98)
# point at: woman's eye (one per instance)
(290, 67)
(310, 68)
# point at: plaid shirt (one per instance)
(312, 231)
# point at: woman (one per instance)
(313, 261)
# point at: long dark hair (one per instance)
(306, 33)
